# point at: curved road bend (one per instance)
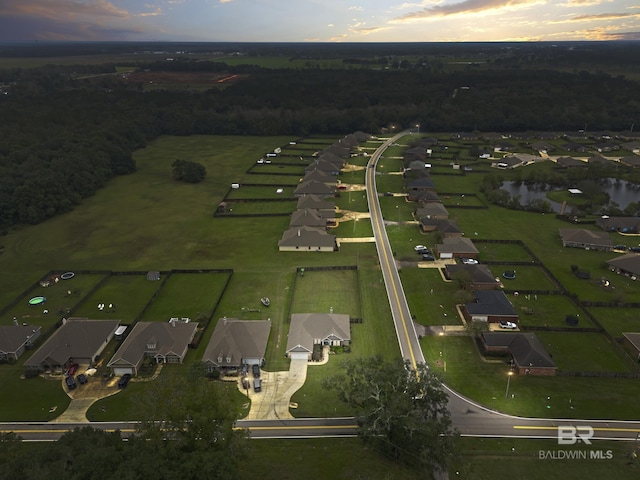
(468, 417)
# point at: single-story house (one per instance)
(164, 342)
(78, 340)
(631, 342)
(456, 247)
(433, 210)
(475, 277)
(15, 339)
(235, 343)
(631, 161)
(527, 352)
(628, 264)
(319, 189)
(569, 162)
(449, 228)
(316, 175)
(308, 217)
(324, 166)
(317, 202)
(423, 196)
(619, 224)
(490, 306)
(421, 183)
(307, 239)
(309, 329)
(587, 239)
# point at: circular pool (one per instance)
(37, 300)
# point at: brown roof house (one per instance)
(474, 277)
(78, 340)
(455, 247)
(433, 210)
(15, 339)
(164, 342)
(309, 329)
(308, 217)
(527, 352)
(235, 343)
(307, 239)
(628, 265)
(314, 201)
(491, 306)
(587, 239)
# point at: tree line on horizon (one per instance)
(63, 136)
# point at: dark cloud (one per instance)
(22, 28)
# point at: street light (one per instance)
(508, 382)
(444, 361)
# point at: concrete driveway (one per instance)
(277, 388)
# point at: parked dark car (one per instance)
(245, 370)
(124, 381)
(71, 383)
(428, 258)
(634, 249)
(256, 370)
(257, 385)
(245, 383)
(82, 379)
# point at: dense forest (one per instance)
(66, 130)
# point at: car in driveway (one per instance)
(508, 325)
(256, 370)
(71, 382)
(245, 383)
(469, 261)
(82, 379)
(257, 385)
(72, 370)
(420, 248)
(124, 381)
(428, 258)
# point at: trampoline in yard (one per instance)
(67, 275)
(37, 300)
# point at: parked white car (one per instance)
(508, 325)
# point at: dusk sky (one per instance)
(319, 20)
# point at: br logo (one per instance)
(569, 435)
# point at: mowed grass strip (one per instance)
(326, 291)
(584, 352)
(548, 311)
(187, 295)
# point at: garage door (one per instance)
(121, 371)
(299, 356)
(446, 255)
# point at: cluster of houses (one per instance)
(490, 304)
(234, 342)
(315, 211)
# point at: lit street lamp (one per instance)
(508, 382)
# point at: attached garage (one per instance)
(123, 370)
(299, 355)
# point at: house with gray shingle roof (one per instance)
(474, 277)
(432, 210)
(587, 239)
(631, 161)
(527, 352)
(631, 341)
(619, 224)
(314, 188)
(307, 217)
(307, 239)
(309, 329)
(628, 264)
(315, 201)
(15, 339)
(491, 306)
(237, 342)
(78, 340)
(164, 342)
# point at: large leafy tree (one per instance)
(187, 171)
(401, 412)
